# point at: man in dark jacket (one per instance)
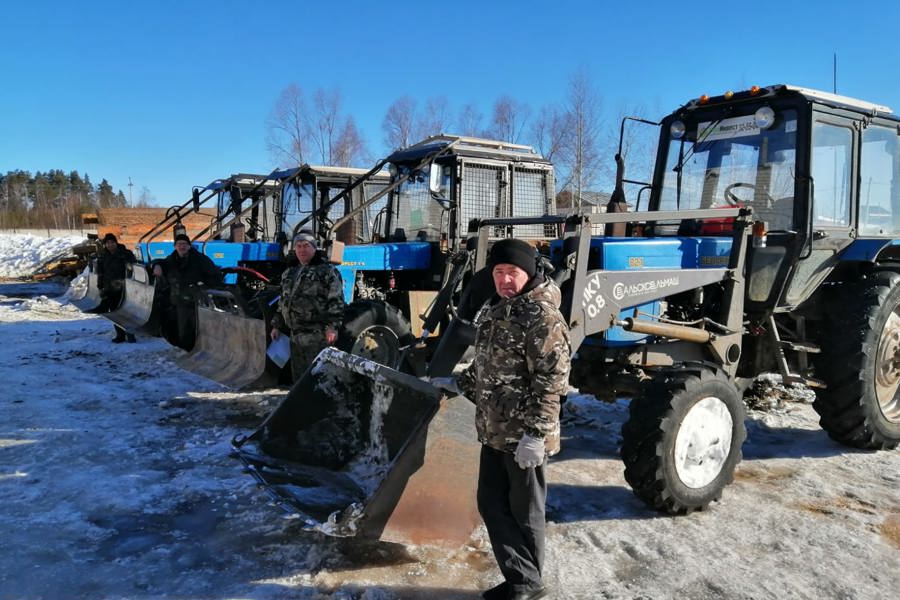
(519, 372)
(184, 270)
(311, 304)
(113, 263)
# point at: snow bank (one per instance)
(22, 254)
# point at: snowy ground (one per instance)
(115, 482)
(21, 254)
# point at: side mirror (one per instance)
(434, 179)
(195, 198)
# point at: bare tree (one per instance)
(322, 123)
(583, 163)
(145, 198)
(314, 132)
(469, 122)
(286, 127)
(508, 119)
(550, 132)
(434, 119)
(349, 147)
(397, 124)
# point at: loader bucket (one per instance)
(134, 310)
(229, 347)
(87, 295)
(359, 449)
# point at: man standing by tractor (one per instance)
(184, 270)
(113, 262)
(519, 372)
(311, 304)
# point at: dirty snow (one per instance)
(21, 254)
(115, 482)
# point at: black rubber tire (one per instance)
(369, 321)
(655, 421)
(850, 358)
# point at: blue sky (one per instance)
(176, 94)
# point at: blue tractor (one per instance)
(765, 241)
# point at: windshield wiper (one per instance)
(701, 138)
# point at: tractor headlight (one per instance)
(676, 130)
(764, 117)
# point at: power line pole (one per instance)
(130, 185)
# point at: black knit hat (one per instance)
(110, 237)
(514, 252)
(182, 237)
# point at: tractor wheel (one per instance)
(860, 364)
(683, 439)
(376, 331)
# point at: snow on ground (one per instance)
(116, 482)
(21, 254)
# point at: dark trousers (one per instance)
(187, 325)
(511, 501)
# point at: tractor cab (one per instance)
(820, 171)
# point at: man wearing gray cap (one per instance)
(311, 304)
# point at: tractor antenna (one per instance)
(834, 73)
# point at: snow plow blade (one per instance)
(229, 347)
(86, 296)
(359, 449)
(136, 306)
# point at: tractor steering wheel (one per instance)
(734, 200)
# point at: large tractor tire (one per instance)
(375, 330)
(683, 439)
(860, 364)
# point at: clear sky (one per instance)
(176, 94)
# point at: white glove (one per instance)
(530, 451)
(447, 384)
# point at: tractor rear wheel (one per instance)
(860, 364)
(375, 330)
(683, 438)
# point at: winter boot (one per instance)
(120, 337)
(498, 592)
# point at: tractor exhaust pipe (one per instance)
(678, 332)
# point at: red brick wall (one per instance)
(129, 224)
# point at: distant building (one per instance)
(591, 202)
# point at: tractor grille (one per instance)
(530, 198)
(487, 192)
(483, 193)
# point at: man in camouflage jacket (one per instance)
(519, 372)
(311, 304)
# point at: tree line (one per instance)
(573, 133)
(54, 199)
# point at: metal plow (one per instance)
(136, 306)
(87, 295)
(358, 449)
(229, 347)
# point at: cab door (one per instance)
(829, 219)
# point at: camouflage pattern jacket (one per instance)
(312, 296)
(520, 369)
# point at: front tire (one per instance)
(860, 364)
(375, 330)
(683, 439)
